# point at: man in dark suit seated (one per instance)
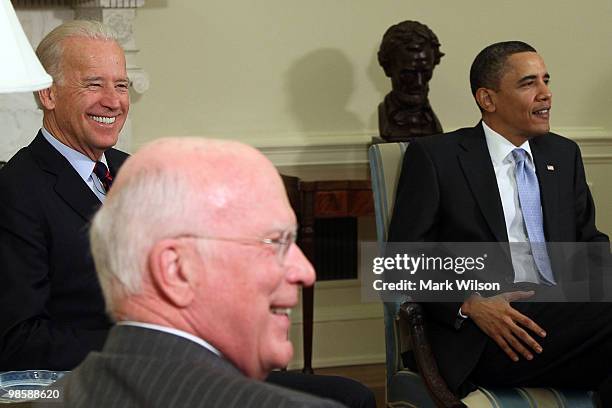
(52, 307)
(508, 180)
(200, 280)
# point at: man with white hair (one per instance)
(52, 306)
(199, 279)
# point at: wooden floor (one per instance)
(372, 376)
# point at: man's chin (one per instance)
(283, 353)
(541, 131)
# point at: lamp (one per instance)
(20, 70)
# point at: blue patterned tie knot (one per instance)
(529, 198)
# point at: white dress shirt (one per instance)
(173, 331)
(500, 150)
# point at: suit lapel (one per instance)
(68, 185)
(478, 170)
(545, 166)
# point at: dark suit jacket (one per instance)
(52, 307)
(448, 192)
(140, 367)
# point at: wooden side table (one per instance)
(324, 191)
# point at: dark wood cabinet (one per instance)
(321, 196)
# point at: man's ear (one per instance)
(170, 273)
(47, 97)
(485, 99)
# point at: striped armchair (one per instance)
(404, 327)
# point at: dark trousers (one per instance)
(349, 392)
(576, 351)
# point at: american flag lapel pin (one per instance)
(550, 167)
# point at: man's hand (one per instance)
(504, 324)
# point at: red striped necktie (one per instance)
(103, 174)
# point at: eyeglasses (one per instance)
(280, 245)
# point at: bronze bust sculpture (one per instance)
(408, 53)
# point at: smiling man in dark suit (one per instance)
(52, 306)
(507, 180)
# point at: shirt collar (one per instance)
(81, 163)
(173, 331)
(501, 148)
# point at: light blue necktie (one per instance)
(529, 197)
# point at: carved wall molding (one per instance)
(118, 14)
(327, 148)
(109, 3)
(19, 115)
(41, 3)
(80, 3)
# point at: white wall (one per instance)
(250, 70)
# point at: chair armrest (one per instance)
(412, 314)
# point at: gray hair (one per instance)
(149, 206)
(50, 49)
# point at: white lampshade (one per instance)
(20, 70)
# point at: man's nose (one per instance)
(299, 268)
(111, 98)
(544, 92)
